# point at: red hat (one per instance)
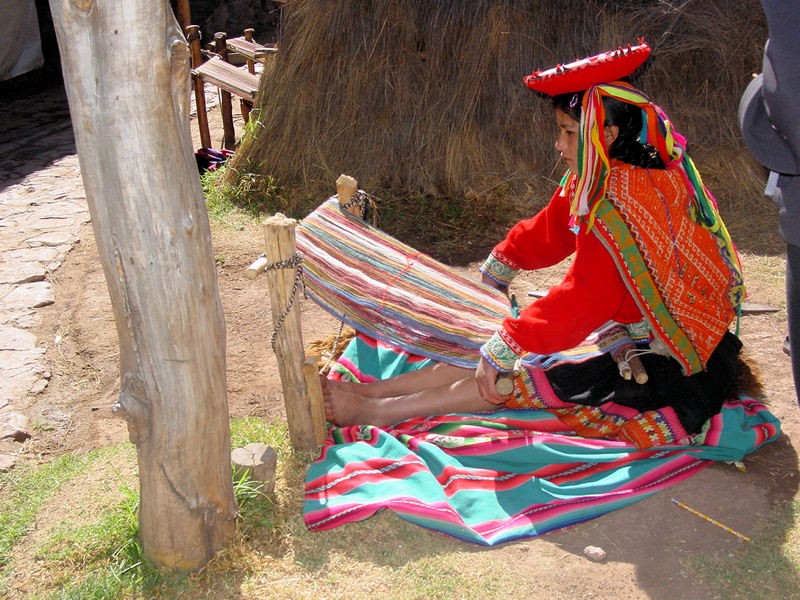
(586, 72)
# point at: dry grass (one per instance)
(422, 103)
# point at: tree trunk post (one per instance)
(304, 408)
(126, 73)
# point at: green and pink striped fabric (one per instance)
(497, 477)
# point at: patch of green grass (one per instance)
(768, 566)
(110, 545)
(444, 577)
(27, 488)
(247, 430)
(249, 194)
(102, 557)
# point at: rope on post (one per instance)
(293, 262)
(362, 200)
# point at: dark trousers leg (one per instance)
(793, 310)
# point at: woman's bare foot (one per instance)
(357, 403)
(345, 406)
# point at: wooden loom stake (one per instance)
(305, 411)
(346, 186)
(314, 389)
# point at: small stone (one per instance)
(14, 426)
(7, 462)
(594, 553)
(40, 385)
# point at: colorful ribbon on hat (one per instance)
(657, 130)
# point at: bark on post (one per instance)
(304, 409)
(126, 72)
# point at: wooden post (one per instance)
(301, 407)
(193, 37)
(183, 16)
(244, 105)
(314, 390)
(154, 241)
(346, 187)
(248, 35)
(225, 102)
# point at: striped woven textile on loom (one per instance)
(382, 287)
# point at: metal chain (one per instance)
(293, 262)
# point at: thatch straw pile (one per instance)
(422, 102)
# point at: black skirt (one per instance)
(694, 399)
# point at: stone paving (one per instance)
(42, 208)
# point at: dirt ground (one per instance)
(649, 545)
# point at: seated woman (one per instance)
(649, 251)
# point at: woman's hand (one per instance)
(492, 283)
(486, 377)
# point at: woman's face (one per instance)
(568, 134)
(567, 139)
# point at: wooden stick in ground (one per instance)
(346, 187)
(225, 98)
(315, 398)
(279, 233)
(193, 37)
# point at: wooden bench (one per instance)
(231, 81)
(251, 50)
(228, 77)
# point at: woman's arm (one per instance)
(591, 293)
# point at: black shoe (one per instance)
(786, 348)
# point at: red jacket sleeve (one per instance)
(541, 241)
(591, 293)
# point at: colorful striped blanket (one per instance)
(377, 284)
(497, 477)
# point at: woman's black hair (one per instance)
(628, 117)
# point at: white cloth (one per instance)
(20, 41)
